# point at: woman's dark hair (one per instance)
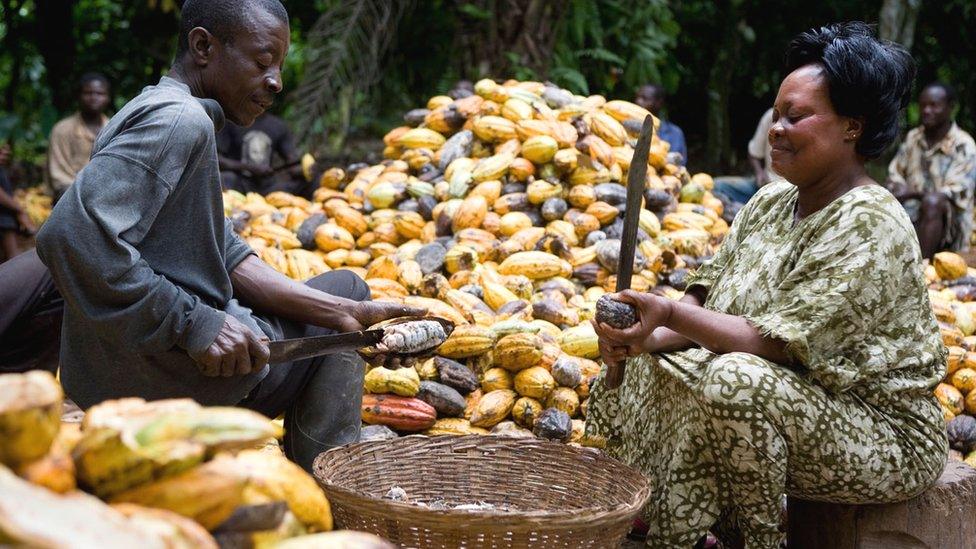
(868, 78)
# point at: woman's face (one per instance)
(808, 138)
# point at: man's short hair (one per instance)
(90, 77)
(223, 18)
(950, 92)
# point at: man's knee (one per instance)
(341, 283)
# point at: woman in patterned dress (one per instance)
(803, 356)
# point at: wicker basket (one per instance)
(550, 494)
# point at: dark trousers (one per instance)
(320, 397)
(30, 316)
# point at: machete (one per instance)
(636, 177)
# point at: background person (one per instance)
(72, 139)
(249, 155)
(934, 173)
(653, 98)
(13, 216)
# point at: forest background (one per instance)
(355, 66)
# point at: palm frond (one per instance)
(344, 50)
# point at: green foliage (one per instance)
(614, 46)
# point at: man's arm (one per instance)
(90, 241)
(266, 290)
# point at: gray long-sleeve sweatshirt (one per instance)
(141, 251)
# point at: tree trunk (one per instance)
(718, 145)
(12, 44)
(515, 34)
(55, 39)
(897, 21)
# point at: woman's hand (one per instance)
(652, 312)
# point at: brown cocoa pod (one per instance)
(615, 313)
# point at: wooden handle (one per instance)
(615, 375)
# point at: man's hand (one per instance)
(366, 313)
(257, 170)
(236, 351)
(25, 223)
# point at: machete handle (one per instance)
(615, 375)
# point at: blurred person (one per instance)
(72, 139)
(653, 98)
(13, 217)
(934, 174)
(248, 157)
(738, 190)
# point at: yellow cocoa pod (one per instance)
(521, 169)
(497, 295)
(494, 129)
(513, 222)
(380, 288)
(581, 196)
(516, 109)
(625, 110)
(950, 397)
(383, 267)
(949, 266)
(535, 265)
(493, 167)
(566, 160)
(492, 408)
(525, 411)
(454, 426)
(438, 101)
(409, 275)
(418, 138)
(565, 399)
(496, 378)
(460, 258)
(470, 214)
(539, 149)
(964, 379)
(535, 382)
(580, 341)
(491, 190)
(518, 351)
(467, 341)
(403, 381)
(541, 190)
(608, 128)
(330, 237)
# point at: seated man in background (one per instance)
(934, 172)
(653, 97)
(246, 158)
(13, 216)
(736, 191)
(72, 139)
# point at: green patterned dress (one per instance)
(854, 421)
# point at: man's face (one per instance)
(94, 97)
(935, 108)
(245, 75)
(650, 98)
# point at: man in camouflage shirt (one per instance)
(934, 173)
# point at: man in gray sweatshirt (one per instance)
(162, 298)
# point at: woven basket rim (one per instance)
(488, 520)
